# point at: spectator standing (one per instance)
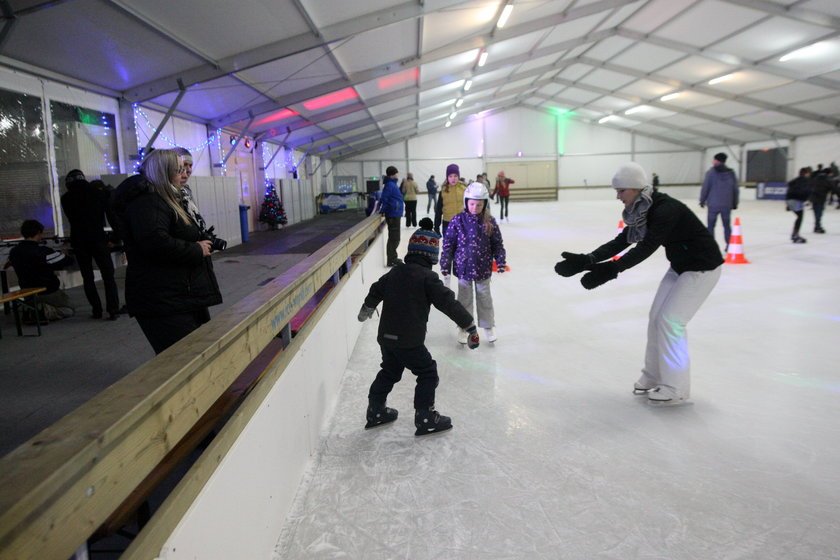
(407, 292)
(472, 241)
(431, 189)
(655, 182)
(720, 194)
(798, 191)
(86, 208)
(451, 199)
(653, 220)
(35, 267)
(170, 283)
(391, 204)
(503, 192)
(409, 191)
(821, 186)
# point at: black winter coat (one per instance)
(167, 272)
(408, 291)
(86, 208)
(688, 244)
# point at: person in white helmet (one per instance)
(654, 219)
(471, 243)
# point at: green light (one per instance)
(563, 116)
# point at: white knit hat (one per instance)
(630, 176)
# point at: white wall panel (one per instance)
(648, 144)
(674, 167)
(811, 150)
(392, 151)
(520, 130)
(592, 170)
(460, 140)
(585, 138)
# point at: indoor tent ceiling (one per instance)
(347, 76)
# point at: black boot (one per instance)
(819, 229)
(377, 415)
(429, 421)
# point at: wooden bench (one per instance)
(18, 299)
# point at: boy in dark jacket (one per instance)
(408, 291)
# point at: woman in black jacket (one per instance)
(654, 219)
(170, 281)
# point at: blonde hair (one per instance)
(159, 167)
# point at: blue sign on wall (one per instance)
(772, 191)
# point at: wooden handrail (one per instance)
(58, 488)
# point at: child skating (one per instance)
(472, 241)
(407, 292)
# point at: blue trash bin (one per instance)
(243, 221)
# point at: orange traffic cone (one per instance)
(495, 268)
(620, 229)
(735, 254)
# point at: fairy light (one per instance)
(195, 150)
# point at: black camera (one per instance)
(216, 242)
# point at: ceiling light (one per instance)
(467, 85)
(810, 50)
(452, 115)
(482, 59)
(602, 120)
(634, 110)
(448, 124)
(721, 79)
(505, 15)
(459, 102)
(669, 97)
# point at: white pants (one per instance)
(483, 300)
(677, 300)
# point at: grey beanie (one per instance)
(630, 176)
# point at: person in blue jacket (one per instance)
(392, 206)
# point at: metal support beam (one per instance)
(166, 117)
(236, 143)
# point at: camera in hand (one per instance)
(216, 242)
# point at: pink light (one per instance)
(331, 99)
(398, 79)
(279, 115)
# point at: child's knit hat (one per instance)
(453, 168)
(425, 241)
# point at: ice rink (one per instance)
(552, 456)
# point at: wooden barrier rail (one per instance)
(59, 487)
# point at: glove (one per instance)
(600, 274)
(500, 269)
(365, 313)
(702, 205)
(472, 338)
(735, 207)
(573, 263)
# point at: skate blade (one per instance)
(426, 433)
(640, 392)
(670, 403)
(370, 426)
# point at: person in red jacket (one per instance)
(502, 190)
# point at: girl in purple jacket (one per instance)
(471, 243)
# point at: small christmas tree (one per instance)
(272, 212)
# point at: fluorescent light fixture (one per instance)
(448, 124)
(467, 85)
(669, 97)
(634, 110)
(602, 120)
(459, 102)
(505, 15)
(482, 59)
(452, 115)
(810, 50)
(721, 79)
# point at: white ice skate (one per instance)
(662, 395)
(462, 336)
(490, 334)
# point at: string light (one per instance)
(195, 150)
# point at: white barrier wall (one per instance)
(242, 508)
(217, 199)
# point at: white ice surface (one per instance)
(552, 457)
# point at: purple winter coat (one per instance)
(470, 249)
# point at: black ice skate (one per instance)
(429, 421)
(378, 416)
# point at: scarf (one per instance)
(635, 217)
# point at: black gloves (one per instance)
(573, 263)
(472, 338)
(702, 205)
(365, 313)
(599, 274)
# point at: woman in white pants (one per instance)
(653, 219)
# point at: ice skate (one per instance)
(462, 336)
(378, 416)
(490, 334)
(429, 421)
(663, 395)
(797, 239)
(640, 389)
